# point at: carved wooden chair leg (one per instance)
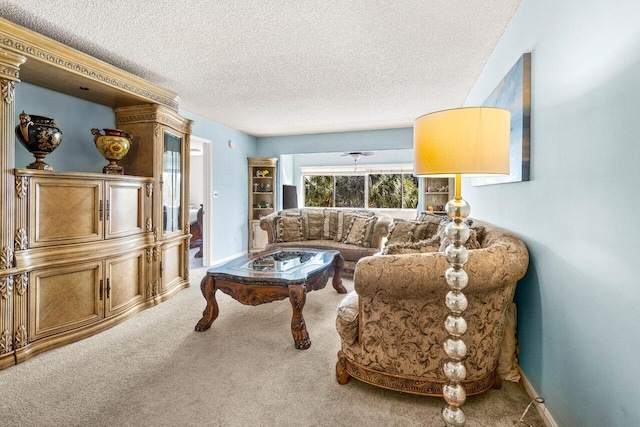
(341, 369)
(497, 382)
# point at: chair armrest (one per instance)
(381, 230)
(267, 224)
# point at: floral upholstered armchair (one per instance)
(392, 324)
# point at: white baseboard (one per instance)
(540, 407)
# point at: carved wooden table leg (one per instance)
(210, 313)
(297, 297)
(337, 275)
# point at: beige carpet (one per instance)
(154, 370)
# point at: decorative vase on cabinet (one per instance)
(40, 136)
(114, 144)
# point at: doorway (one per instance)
(200, 202)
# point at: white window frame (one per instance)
(358, 170)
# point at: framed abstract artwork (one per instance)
(513, 93)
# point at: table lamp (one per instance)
(472, 141)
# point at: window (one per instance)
(318, 191)
(349, 191)
(379, 187)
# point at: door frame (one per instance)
(207, 206)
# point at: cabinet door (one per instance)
(65, 211)
(124, 209)
(259, 237)
(173, 265)
(172, 167)
(125, 278)
(65, 298)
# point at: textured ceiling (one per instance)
(284, 67)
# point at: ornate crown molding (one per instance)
(45, 52)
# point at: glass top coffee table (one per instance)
(269, 276)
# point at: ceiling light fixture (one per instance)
(356, 155)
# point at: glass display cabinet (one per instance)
(171, 183)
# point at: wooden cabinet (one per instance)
(64, 299)
(81, 252)
(163, 139)
(68, 208)
(263, 187)
(436, 193)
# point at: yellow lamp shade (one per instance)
(463, 141)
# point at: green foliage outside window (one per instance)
(409, 192)
(350, 191)
(318, 191)
(386, 191)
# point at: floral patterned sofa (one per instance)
(356, 233)
(392, 324)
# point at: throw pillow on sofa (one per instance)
(288, 229)
(428, 245)
(401, 231)
(344, 221)
(360, 231)
(425, 228)
(473, 242)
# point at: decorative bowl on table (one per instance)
(40, 136)
(113, 144)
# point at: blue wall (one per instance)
(336, 142)
(230, 233)
(579, 304)
(75, 118)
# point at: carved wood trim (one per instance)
(22, 282)
(6, 286)
(6, 258)
(7, 88)
(149, 224)
(21, 240)
(6, 343)
(22, 186)
(263, 162)
(21, 337)
(149, 189)
(414, 385)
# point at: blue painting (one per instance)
(514, 94)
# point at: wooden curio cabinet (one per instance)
(263, 187)
(163, 141)
(81, 252)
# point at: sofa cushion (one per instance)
(347, 318)
(401, 231)
(427, 245)
(288, 228)
(330, 224)
(474, 241)
(344, 221)
(312, 222)
(425, 228)
(360, 231)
